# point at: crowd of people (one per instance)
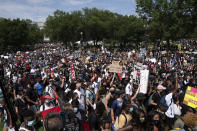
(91, 97)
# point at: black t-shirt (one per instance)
(32, 95)
(156, 98)
(94, 121)
(22, 106)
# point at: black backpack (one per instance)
(70, 121)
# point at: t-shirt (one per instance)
(32, 95)
(156, 98)
(90, 96)
(169, 101)
(22, 106)
(94, 121)
(117, 106)
(39, 88)
(128, 90)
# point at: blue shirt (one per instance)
(38, 88)
(117, 106)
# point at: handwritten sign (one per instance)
(163, 52)
(190, 98)
(115, 67)
(144, 74)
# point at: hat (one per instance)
(48, 97)
(160, 87)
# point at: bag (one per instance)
(70, 121)
(116, 125)
(163, 103)
(149, 100)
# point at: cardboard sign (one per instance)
(179, 47)
(190, 98)
(144, 75)
(163, 52)
(115, 67)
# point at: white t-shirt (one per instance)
(169, 101)
(81, 99)
(177, 110)
(128, 89)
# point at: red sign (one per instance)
(72, 71)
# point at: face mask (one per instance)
(131, 110)
(156, 122)
(31, 123)
(75, 110)
(142, 120)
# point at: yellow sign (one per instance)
(179, 47)
(190, 98)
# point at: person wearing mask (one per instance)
(117, 106)
(20, 105)
(90, 96)
(125, 117)
(128, 90)
(155, 123)
(39, 87)
(32, 97)
(48, 103)
(110, 97)
(156, 97)
(81, 95)
(29, 121)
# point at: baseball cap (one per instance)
(160, 87)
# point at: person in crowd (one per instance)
(156, 97)
(32, 97)
(53, 122)
(29, 121)
(21, 105)
(125, 116)
(117, 106)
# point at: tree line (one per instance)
(94, 24)
(156, 21)
(16, 33)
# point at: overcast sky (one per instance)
(38, 10)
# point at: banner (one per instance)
(190, 98)
(45, 112)
(115, 67)
(144, 74)
(72, 71)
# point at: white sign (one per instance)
(144, 75)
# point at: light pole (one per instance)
(81, 41)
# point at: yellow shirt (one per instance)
(122, 120)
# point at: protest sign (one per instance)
(190, 98)
(77, 54)
(163, 52)
(115, 67)
(144, 75)
(72, 71)
(179, 47)
(45, 112)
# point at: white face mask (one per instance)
(31, 123)
(75, 110)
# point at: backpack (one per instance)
(116, 125)
(163, 103)
(70, 121)
(150, 98)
